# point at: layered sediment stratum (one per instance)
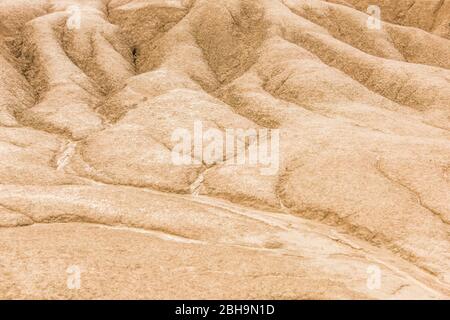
(92, 91)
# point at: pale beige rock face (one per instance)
(87, 179)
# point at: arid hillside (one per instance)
(313, 140)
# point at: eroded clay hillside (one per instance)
(91, 92)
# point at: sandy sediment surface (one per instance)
(357, 205)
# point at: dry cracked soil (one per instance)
(93, 206)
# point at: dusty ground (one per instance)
(91, 205)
